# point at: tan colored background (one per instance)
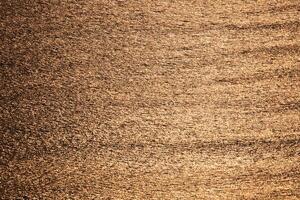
(149, 99)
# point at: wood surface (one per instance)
(166, 99)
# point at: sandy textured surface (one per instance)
(163, 99)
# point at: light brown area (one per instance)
(149, 99)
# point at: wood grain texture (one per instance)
(168, 99)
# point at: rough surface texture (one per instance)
(168, 99)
